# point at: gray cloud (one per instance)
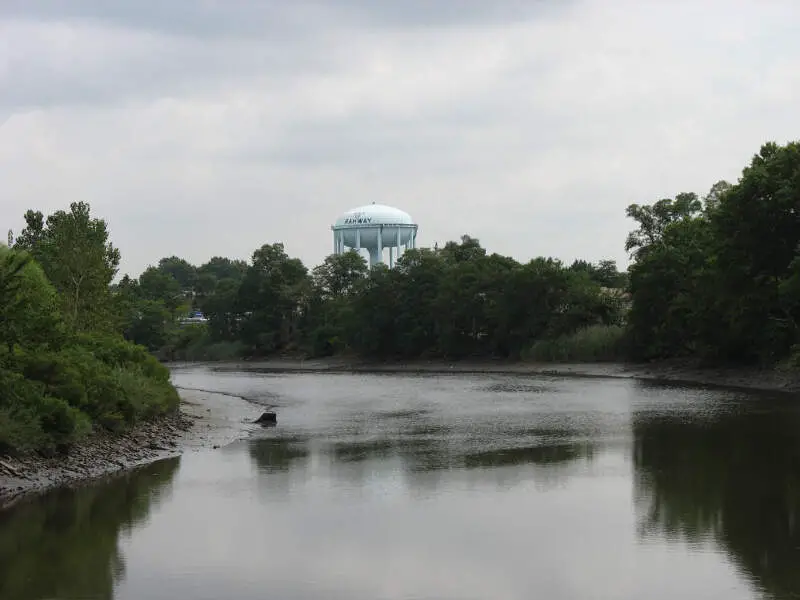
(196, 130)
(246, 17)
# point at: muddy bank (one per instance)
(205, 421)
(678, 372)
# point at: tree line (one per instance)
(455, 302)
(713, 279)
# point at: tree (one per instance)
(653, 219)
(604, 273)
(223, 268)
(159, 286)
(269, 298)
(670, 291)
(469, 249)
(28, 303)
(338, 275)
(757, 233)
(76, 256)
(715, 195)
(222, 310)
(718, 280)
(180, 270)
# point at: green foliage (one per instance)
(195, 343)
(74, 251)
(720, 280)
(28, 303)
(455, 302)
(179, 270)
(31, 419)
(597, 343)
(157, 286)
(112, 382)
(62, 369)
(268, 299)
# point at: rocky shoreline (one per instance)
(204, 421)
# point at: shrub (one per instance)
(194, 343)
(50, 398)
(115, 351)
(30, 419)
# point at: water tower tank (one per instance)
(375, 227)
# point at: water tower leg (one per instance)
(380, 244)
(358, 240)
(391, 257)
(398, 245)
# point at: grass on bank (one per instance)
(597, 343)
(194, 343)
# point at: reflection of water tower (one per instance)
(375, 227)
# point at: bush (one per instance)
(194, 343)
(32, 420)
(597, 343)
(48, 399)
(115, 351)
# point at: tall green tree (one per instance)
(269, 298)
(78, 258)
(338, 275)
(719, 280)
(653, 219)
(757, 232)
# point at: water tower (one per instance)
(375, 228)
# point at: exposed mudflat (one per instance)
(678, 371)
(205, 421)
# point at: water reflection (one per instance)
(541, 455)
(729, 477)
(65, 544)
(444, 488)
(278, 454)
(421, 458)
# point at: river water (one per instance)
(439, 487)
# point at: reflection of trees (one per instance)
(282, 460)
(423, 454)
(734, 477)
(65, 544)
(277, 454)
(549, 454)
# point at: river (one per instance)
(439, 487)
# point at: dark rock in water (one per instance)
(267, 418)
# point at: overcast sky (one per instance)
(210, 127)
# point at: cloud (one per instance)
(197, 128)
(218, 18)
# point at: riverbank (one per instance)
(676, 371)
(205, 421)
